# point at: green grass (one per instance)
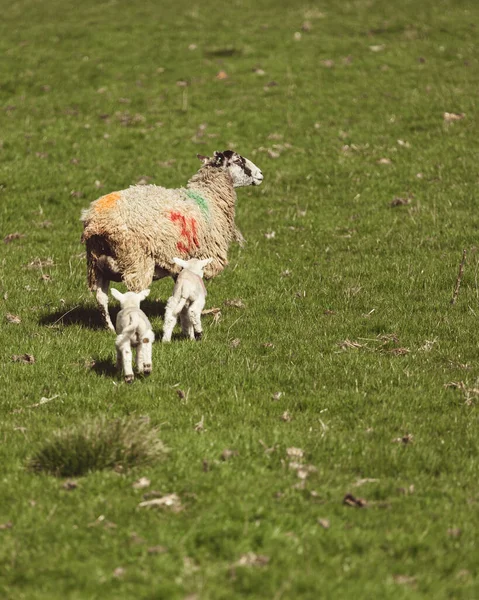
(89, 103)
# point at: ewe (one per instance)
(134, 331)
(187, 300)
(132, 235)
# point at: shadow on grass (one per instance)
(89, 316)
(104, 367)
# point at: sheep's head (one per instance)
(243, 172)
(195, 265)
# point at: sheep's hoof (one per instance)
(198, 335)
(129, 378)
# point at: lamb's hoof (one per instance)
(198, 335)
(165, 340)
(147, 370)
(129, 378)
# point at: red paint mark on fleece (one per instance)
(188, 232)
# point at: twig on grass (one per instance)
(459, 278)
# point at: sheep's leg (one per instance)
(195, 316)
(123, 347)
(145, 351)
(186, 324)
(102, 299)
(170, 320)
(139, 357)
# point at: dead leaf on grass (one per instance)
(295, 452)
(235, 343)
(136, 539)
(286, 416)
(351, 500)
(454, 532)
(405, 580)
(400, 202)
(276, 396)
(450, 117)
(235, 302)
(70, 485)
(39, 263)
(360, 482)
(28, 359)
(14, 319)
(13, 236)
(405, 439)
(200, 426)
(348, 344)
(43, 401)
(222, 75)
(325, 523)
(157, 550)
(384, 161)
(141, 483)
(170, 501)
(398, 351)
(211, 311)
(119, 572)
(250, 559)
(227, 454)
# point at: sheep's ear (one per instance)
(180, 262)
(204, 159)
(219, 158)
(116, 294)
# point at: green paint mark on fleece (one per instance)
(200, 201)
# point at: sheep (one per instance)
(133, 234)
(187, 300)
(134, 331)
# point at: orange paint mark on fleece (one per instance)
(106, 202)
(188, 232)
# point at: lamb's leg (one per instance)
(170, 319)
(186, 324)
(195, 316)
(102, 299)
(123, 347)
(145, 347)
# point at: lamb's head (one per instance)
(130, 299)
(243, 172)
(195, 265)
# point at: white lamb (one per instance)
(134, 331)
(188, 299)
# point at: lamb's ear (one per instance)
(206, 261)
(116, 294)
(180, 262)
(204, 159)
(143, 294)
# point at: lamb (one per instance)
(134, 330)
(133, 234)
(188, 299)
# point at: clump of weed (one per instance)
(99, 444)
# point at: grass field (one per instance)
(345, 369)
